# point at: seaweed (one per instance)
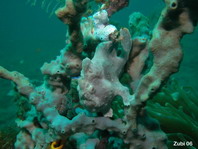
(176, 109)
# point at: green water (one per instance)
(29, 37)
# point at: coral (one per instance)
(101, 28)
(99, 82)
(94, 94)
(165, 47)
(97, 27)
(113, 6)
(72, 11)
(23, 84)
(140, 30)
(139, 25)
(24, 141)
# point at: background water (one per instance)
(28, 38)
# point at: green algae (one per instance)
(176, 109)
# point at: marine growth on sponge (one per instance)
(94, 94)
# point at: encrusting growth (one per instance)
(174, 22)
(99, 82)
(74, 105)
